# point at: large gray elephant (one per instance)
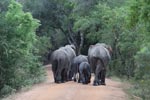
(61, 60)
(99, 56)
(70, 49)
(75, 65)
(60, 65)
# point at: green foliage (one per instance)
(19, 66)
(126, 29)
(142, 61)
(139, 21)
(125, 25)
(142, 72)
(54, 17)
(95, 25)
(42, 48)
(141, 89)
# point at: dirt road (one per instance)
(72, 91)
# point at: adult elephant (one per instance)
(75, 65)
(99, 56)
(60, 65)
(61, 62)
(85, 72)
(70, 49)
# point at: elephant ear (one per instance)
(108, 47)
(73, 46)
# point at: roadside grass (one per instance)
(128, 87)
(31, 83)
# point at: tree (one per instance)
(19, 66)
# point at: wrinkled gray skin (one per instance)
(75, 65)
(61, 63)
(85, 72)
(70, 49)
(99, 57)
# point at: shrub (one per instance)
(19, 65)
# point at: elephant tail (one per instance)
(103, 64)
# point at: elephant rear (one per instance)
(85, 72)
(99, 57)
(60, 65)
(75, 64)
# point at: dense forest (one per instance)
(31, 29)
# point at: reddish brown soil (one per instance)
(72, 91)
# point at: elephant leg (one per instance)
(64, 76)
(54, 69)
(54, 75)
(88, 76)
(74, 77)
(97, 80)
(69, 73)
(84, 79)
(103, 74)
(58, 76)
(81, 77)
(75, 73)
(100, 76)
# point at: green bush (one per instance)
(19, 65)
(142, 73)
(42, 48)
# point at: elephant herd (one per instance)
(66, 66)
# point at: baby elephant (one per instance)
(85, 72)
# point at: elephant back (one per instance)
(59, 54)
(80, 58)
(84, 65)
(70, 51)
(99, 51)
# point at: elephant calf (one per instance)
(84, 72)
(75, 65)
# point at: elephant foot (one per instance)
(84, 83)
(103, 83)
(69, 80)
(79, 81)
(96, 83)
(89, 81)
(99, 82)
(58, 82)
(74, 80)
(63, 81)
